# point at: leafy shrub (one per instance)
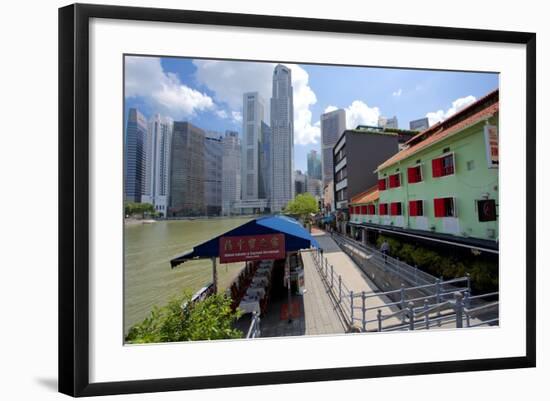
(483, 273)
(209, 319)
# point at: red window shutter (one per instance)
(357, 209)
(412, 208)
(437, 167)
(382, 184)
(350, 210)
(372, 209)
(364, 209)
(439, 207)
(382, 209)
(411, 175)
(394, 208)
(397, 180)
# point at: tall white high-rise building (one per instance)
(231, 172)
(157, 163)
(333, 124)
(253, 115)
(282, 143)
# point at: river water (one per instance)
(148, 248)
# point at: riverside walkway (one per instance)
(355, 280)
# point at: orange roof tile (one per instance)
(370, 195)
(442, 133)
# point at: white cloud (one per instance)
(237, 116)
(221, 113)
(397, 93)
(359, 113)
(230, 79)
(437, 116)
(144, 77)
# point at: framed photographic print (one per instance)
(252, 199)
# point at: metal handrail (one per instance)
(254, 328)
(354, 305)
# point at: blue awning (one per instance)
(296, 237)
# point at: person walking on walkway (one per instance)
(385, 248)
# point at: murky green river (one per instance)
(148, 278)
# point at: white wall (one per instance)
(28, 289)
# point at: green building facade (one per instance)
(444, 185)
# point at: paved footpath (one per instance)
(321, 316)
(356, 281)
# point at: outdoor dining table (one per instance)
(250, 304)
(263, 273)
(260, 280)
(256, 291)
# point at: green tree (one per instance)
(209, 319)
(134, 208)
(303, 205)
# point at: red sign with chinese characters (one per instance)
(252, 247)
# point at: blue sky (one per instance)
(208, 93)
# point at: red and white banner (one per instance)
(252, 247)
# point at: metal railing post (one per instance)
(438, 299)
(426, 315)
(331, 276)
(402, 303)
(467, 306)
(351, 305)
(415, 274)
(411, 315)
(468, 282)
(339, 289)
(364, 320)
(459, 307)
(379, 317)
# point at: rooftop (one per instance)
(370, 195)
(480, 110)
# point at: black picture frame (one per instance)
(74, 200)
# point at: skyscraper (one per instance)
(231, 171)
(265, 162)
(385, 122)
(157, 163)
(419, 125)
(300, 182)
(333, 124)
(134, 156)
(213, 154)
(253, 115)
(282, 144)
(187, 170)
(314, 165)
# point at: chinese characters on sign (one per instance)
(491, 145)
(252, 247)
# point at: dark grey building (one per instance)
(187, 171)
(419, 125)
(134, 156)
(357, 153)
(213, 155)
(300, 182)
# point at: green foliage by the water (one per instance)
(483, 273)
(302, 205)
(210, 319)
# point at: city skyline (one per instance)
(208, 93)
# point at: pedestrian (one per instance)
(385, 248)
